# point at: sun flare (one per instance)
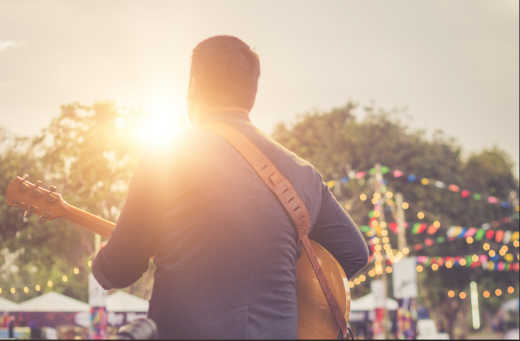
(156, 127)
(159, 130)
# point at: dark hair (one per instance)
(225, 71)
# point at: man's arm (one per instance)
(337, 232)
(126, 255)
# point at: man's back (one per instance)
(241, 281)
(225, 249)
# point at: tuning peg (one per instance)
(39, 183)
(25, 176)
(23, 187)
(50, 198)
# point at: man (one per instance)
(224, 248)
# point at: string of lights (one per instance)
(487, 293)
(43, 285)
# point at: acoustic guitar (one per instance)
(315, 319)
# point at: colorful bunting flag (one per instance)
(471, 231)
(432, 229)
(397, 173)
(480, 234)
(499, 234)
(492, 200)
(452, 232)
(418, 228)
(439, 184)
(453, 188)
(364, 228)
(462, 232)
(360, 175)
(507, 237)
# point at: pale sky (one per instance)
(454, 64)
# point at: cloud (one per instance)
(5, 44)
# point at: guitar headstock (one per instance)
(35, 198)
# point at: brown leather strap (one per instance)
(289, 199)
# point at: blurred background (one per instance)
(410, 111)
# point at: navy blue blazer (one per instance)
(224, 248)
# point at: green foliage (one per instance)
(338, 141)
(90, 161)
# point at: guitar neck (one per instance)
(88, 220)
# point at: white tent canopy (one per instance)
(368, 302)
(6, 305)
(53, 302)
(123, 302)
(513, 304)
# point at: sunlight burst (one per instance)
(159, 130)
(156, 126)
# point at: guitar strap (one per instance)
(291, 201)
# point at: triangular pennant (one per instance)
(397, 173)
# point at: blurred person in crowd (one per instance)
(5, 319)
(11, 325)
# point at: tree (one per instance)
(336, 142)
(90, 161)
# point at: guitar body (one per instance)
(315, 319)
